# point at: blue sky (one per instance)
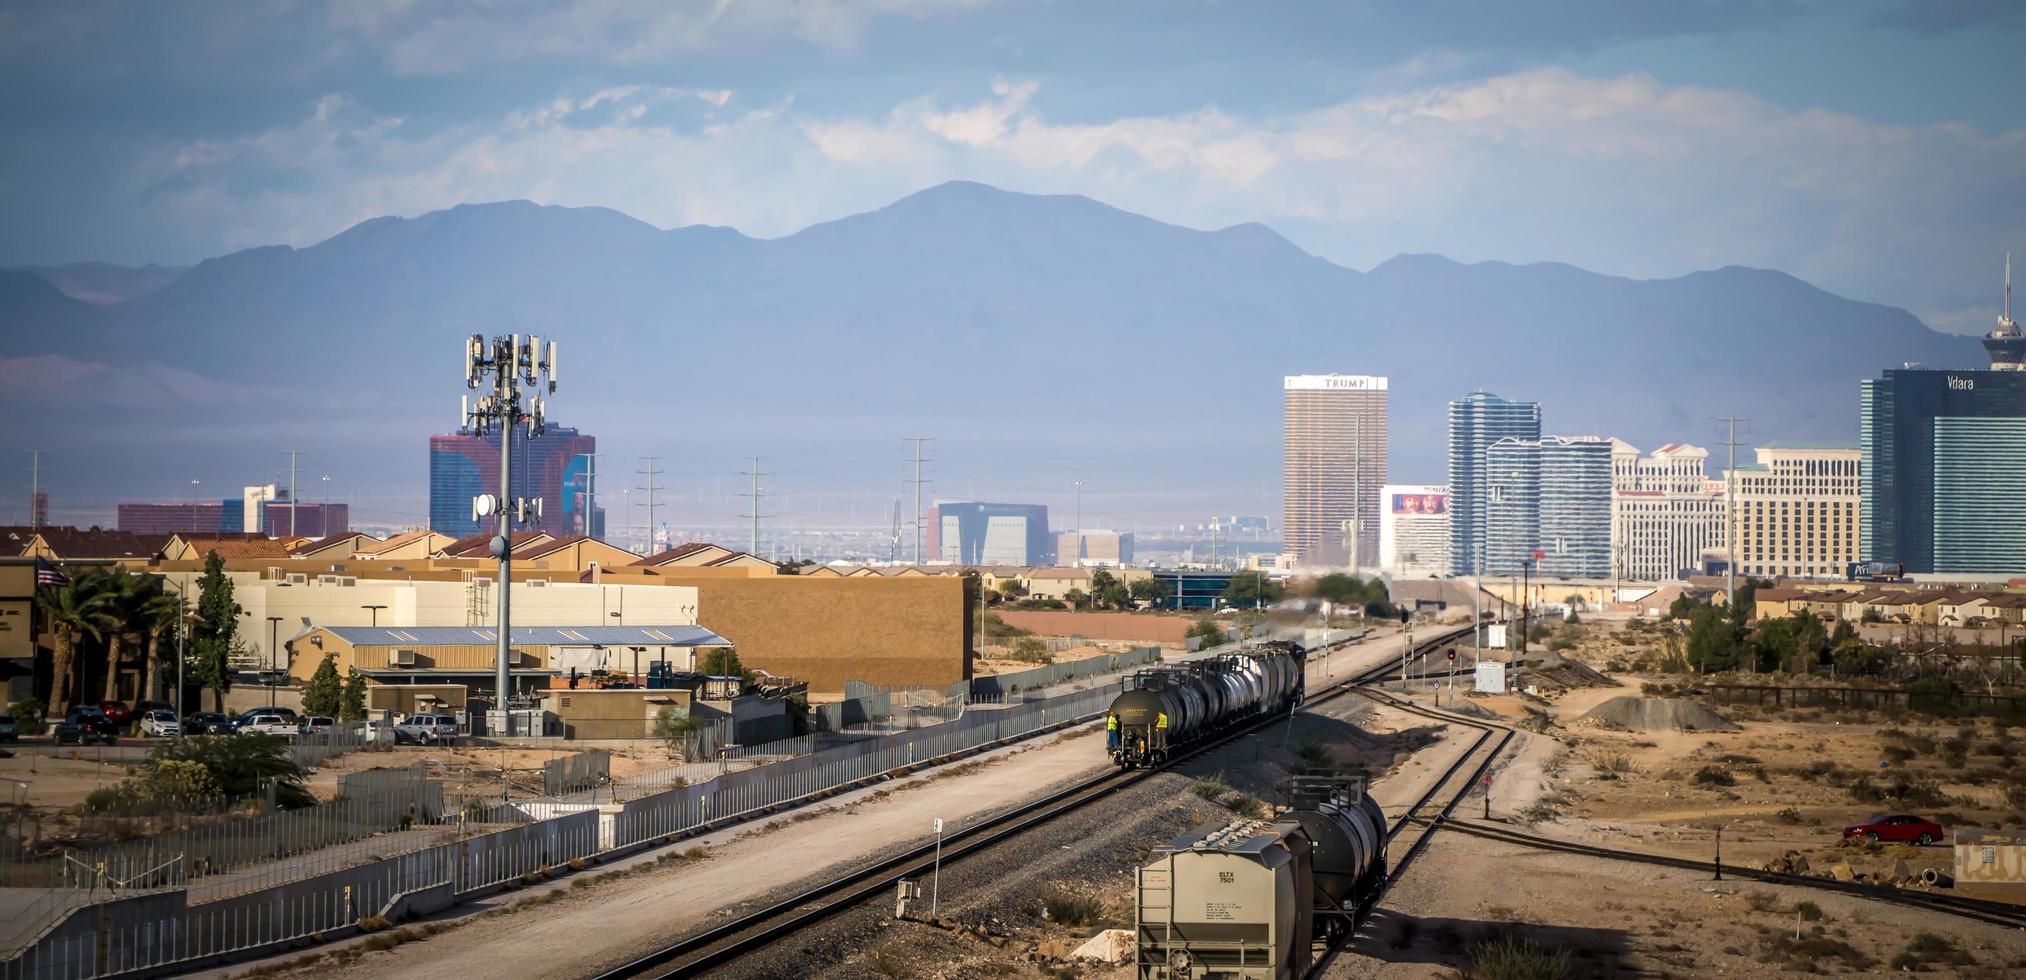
(1876, 149)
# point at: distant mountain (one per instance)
(1041, 339)
(100, 282)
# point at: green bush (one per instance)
(242, 765)
(1935, 695)
(1209, 788)
(1808, 911)
(28, 716)
(1509, 957)
(1712, 776)
(1030, 649)
(1072, 908)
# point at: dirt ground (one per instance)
(476, 770)
(1789, 782)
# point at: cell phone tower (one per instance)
(503, 366)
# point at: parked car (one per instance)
(265, 724)
(116, 712)
(207, 723)
(161, 723)
(427, 728)
(246, 717)
(9, 731)
(143, 707)
(377, 731)
(1904, 828)
(84, 726)
(318, 724)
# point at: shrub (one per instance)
(1714, 776)
(28, 716)
(242, 765)
(1536, 812)
(1509, 957)
(1209, 788)
(1789, 815)
(1072, 908)
(1030, 649)
(1247, 805)
(1808, 911)
(1761, 900)
(674, 727)
(1615, 763)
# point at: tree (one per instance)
(216, 629)
(1075, 598)
(352, 700)
(1150, 590)
(675, 727)
(1012, 588)
(1715, 643)
(793, 567)
(1115, 595)
(1100, 579)
(1207, 631)
(1252, 589)
(326, 691)
(243, 765)
(1682, 608)
(159, 617)
(721, 662)
(71, 612)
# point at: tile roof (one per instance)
(480, 545)
(71, 543)
(397, 541)
(426, 636)
(232, 548)
(679, 552)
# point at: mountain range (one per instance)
(1039, 339)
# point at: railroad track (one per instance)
(1443, 818)
(693, 955)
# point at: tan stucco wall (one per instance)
(402, 699)
(17, 601)
(1101, 625)
(624, 713)
(902, 630)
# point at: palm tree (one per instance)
(72, 612)
(159, 615)
(128, 592)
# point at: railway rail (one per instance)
(695, 954)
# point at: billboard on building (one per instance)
(1412, 504)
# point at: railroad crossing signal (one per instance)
(1452, 654)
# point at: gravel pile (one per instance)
(1657, 715)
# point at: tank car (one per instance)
(1167, 709)
(1250, 900)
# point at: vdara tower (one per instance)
(2006, 344)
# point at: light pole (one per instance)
(273, 654)
(375, 610)
(507, 364)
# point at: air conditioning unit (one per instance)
(404, 658)
(298, 578)
(537, 583)
(348, 581)
(327, 580)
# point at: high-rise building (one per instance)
(253, 501)
(1798, 510)
(1475, 422)
(1414, 529)
(308, 520)
(199, 517)
(1665, 511)
(1335, 462)
(551, 466)
(1094, 547)
(1944, 461)
(1550, 497)
(978, 533)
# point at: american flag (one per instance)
(47, 574)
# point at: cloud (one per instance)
(1622, 174)
(421, 39)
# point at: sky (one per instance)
(1876, 149)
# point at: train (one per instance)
(1255, 899)
(1168, 709)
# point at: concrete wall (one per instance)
(901, 630)
(1101, 625)
(620, 713)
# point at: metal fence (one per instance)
(572, 773)
(287, 901)
(312, 748)
(997, 686)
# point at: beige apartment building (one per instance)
(1797, 510)
(1665, 511)
(1335, 462)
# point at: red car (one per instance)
(1896, 828)
(116, 712)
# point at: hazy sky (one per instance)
(1877, 149)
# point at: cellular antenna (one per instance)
(756, 493)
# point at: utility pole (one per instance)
(650, 490)
(511, 361)
(292, 454)
(919, 441)
(1079, 526)
(1731, 517)
(34, 488)
(756, 493)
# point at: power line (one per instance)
(650, 490)
(918, 482)
(1731, 515)
(756, 493)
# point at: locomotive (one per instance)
(1168, 709)
(1253, 899)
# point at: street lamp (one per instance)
(273, 652)
(375, 611)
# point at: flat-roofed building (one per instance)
(1333, 464)
(1476, 422)
(1797, 510)
(1096, 547)
(1414, 529)
(1665, 511)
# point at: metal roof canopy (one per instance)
(554, 636)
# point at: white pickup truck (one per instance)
(275, 725)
